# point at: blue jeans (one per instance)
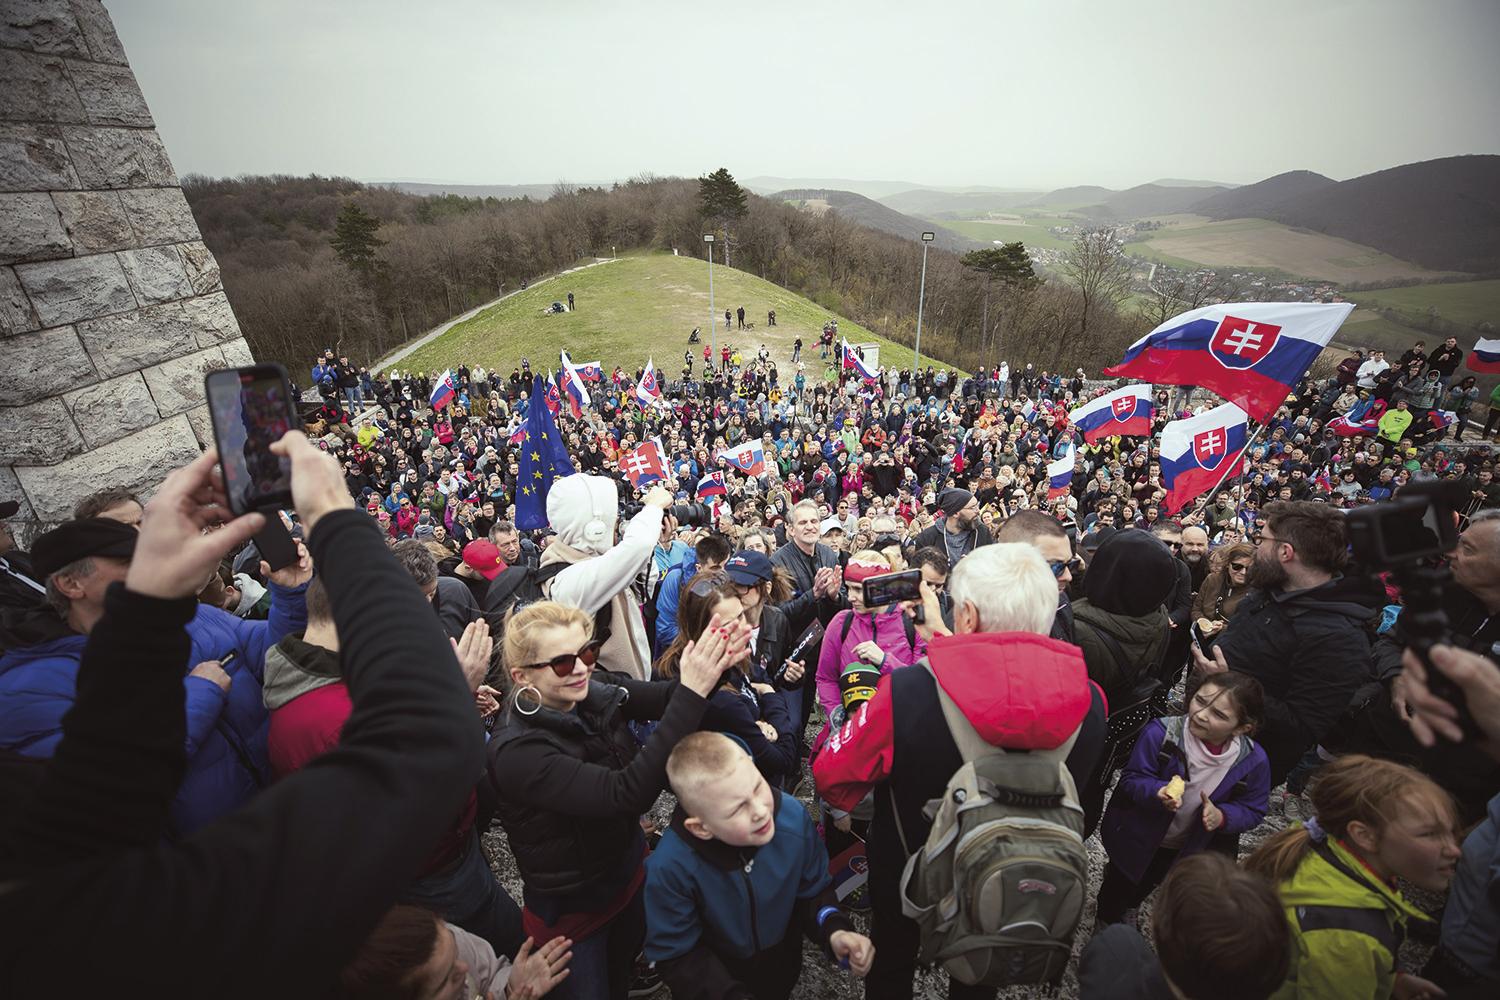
(353, 397)
(604, 962)
(467, 894)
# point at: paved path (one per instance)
(390, 359)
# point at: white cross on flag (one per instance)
(644, 464)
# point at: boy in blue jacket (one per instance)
(736, 882)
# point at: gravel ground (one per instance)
(820, 980)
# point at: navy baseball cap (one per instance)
(748, 568)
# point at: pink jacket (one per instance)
(887, 631)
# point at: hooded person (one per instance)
(584, 510)
(1120, 623)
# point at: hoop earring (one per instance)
(537, 695)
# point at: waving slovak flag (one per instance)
(444, 391)
(864, 368)
(1199, 453)
(590, 371)
(1485, 357)
(644, 463)
(1124, 412)
(550, 395)
(1251, 353)
(648, 391)
(1363, 418)
(578, 393)
(712, 485)
(749, 458)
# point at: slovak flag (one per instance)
(749, 458)
(864, 368)
(1060, 475)
(1199, 453)
(1442, 419)
(444, 391)
(648, 392)
(1251, 353)
(519, 435)
(712, 485)
(1485, 357)
(1028, 410)
(1363, 418)
(591, 371)
(578, 393)
(550, 396)
(644, 464)
(1124, 412)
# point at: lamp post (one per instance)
(927, 239)
(713, 348)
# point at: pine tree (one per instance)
(354, 239)
(721, 201)
(1010, 263)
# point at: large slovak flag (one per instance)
(1199, 453)
(648, 391)
(590, 371)
(444, 391)
(749, 458)
(1060, 475)
(1363, 418)
(1485, 357)
(1126, 411)
(1251, 353)
(644, 464)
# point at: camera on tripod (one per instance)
(1407, 536)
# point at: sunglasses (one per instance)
(1239, 567)
(1058, 565)
(562, 664)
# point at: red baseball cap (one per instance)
(483, 558)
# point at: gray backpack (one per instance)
(999, 886)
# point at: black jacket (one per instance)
(803, 607)
(572, 787)
(1118, 965)
(1310, 651)
(772, 645)
(274, 899)
(933, 537)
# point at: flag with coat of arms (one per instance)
(712, 485)
(1199, 453)
(644, 463)
(1250, 353)
(749, 458)
(648, 390)
(444, 391)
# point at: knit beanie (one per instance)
(953, 500)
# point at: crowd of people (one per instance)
(229, 777)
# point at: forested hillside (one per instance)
(409, 262)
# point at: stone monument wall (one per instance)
(111, 307)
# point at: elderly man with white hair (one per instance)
(1018, 688)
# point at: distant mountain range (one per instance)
(1261, 199)
(536, 192)
(868, 212)
(1150, 199)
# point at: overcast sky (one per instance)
(1008, 93)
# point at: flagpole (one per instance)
(1244, 458)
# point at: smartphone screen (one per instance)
(251, 408)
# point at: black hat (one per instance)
(953, 500)
(75, 540)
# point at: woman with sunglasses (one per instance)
(742, 705)
(1223, 589)
(572, 781)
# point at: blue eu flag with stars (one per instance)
(544, 459)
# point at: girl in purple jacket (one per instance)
(1193, 781)
(881, 637)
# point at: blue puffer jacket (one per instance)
(226, 731)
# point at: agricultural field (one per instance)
(1196, 241)
(1468, 303)
(1029, 229)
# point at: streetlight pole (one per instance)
(713, 347)
(927, 239)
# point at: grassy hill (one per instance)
(636, 308)
(1149, 199)
(1260, 200)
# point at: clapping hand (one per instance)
(473, 651)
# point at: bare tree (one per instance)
(1101, 271)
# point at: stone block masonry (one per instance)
(111, 307)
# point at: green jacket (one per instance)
(1347, 927)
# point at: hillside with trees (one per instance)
(314, 262)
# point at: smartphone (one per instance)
(275, 543)
(892, 588)
(251, 408)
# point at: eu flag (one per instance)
(544, 459)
